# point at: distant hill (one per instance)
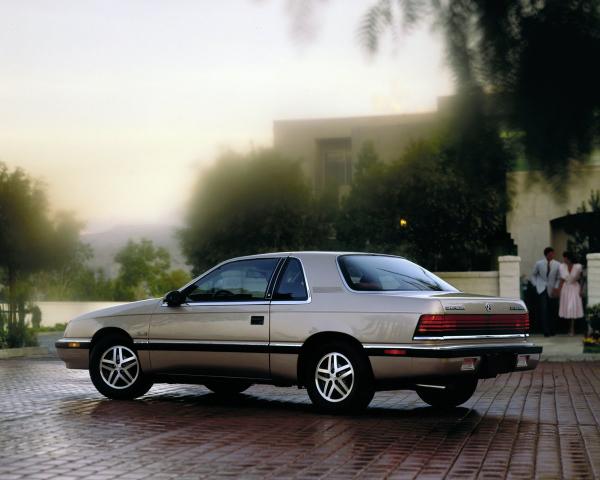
(107, 244)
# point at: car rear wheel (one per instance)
(115, 369)
(338, 378)
(224, 387)
(450, 395)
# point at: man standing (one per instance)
(545, 279)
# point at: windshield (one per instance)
(381, 273)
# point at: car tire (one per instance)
(115, 369)
(450, 396)
(339, 379)
(230, 387)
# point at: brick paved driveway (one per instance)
(53, 423)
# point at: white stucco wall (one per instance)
(481, 283)
(536, 204)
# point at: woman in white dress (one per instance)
(571, 305)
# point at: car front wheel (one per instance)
(450, 395)
(115, 370)
(339, 379)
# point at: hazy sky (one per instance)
(117, 105)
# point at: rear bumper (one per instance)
(409, 362)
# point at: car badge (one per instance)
(488, 307)
(454, 307)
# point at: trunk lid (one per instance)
(474, 316)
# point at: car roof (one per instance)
(307, 253)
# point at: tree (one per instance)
(144, 271)
(423, 207)
(537, 59)
(253, 203)
(60, 282)
(30, 241)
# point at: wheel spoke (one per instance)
(337, 387)
(343, 368)
(127, 360)
(123, 373)
(345, 374)
(332, 387)
(112, 377)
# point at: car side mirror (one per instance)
(174, 298)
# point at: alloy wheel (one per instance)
(119, 367)
(334, 377)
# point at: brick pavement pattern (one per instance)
(53, 424)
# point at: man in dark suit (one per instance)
(545, 279)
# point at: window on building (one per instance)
(335, 162)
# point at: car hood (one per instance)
(143, 307)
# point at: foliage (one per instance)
(538, 59)
(445, 214)
(246, 204)
(583, 228)
(593, 314)
(57, 327)
(144, 271)
(30, 241)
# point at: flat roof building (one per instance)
(328, 149)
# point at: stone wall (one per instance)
(505, 282)
(480, 283)
(593, 278)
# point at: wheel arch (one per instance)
(320, 338)
(105, 331)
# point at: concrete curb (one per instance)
(23, 352)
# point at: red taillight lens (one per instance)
(467, 324)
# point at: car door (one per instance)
(223, 327)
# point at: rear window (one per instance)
(381, 273)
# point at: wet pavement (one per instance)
(53, 423)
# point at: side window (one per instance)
(244, 280)
(291, 285)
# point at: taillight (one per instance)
(468, 324)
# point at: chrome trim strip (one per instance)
(285, 344)
(412, 346)
(473, 337)
(67, 340)
(218, 304)
(205, 342)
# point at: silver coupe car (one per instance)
(342, 325)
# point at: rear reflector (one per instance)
(522, 361)
(468, 363)
(394, 351)
(468, 324)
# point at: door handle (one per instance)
(257, 320)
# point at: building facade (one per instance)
(328, 150)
